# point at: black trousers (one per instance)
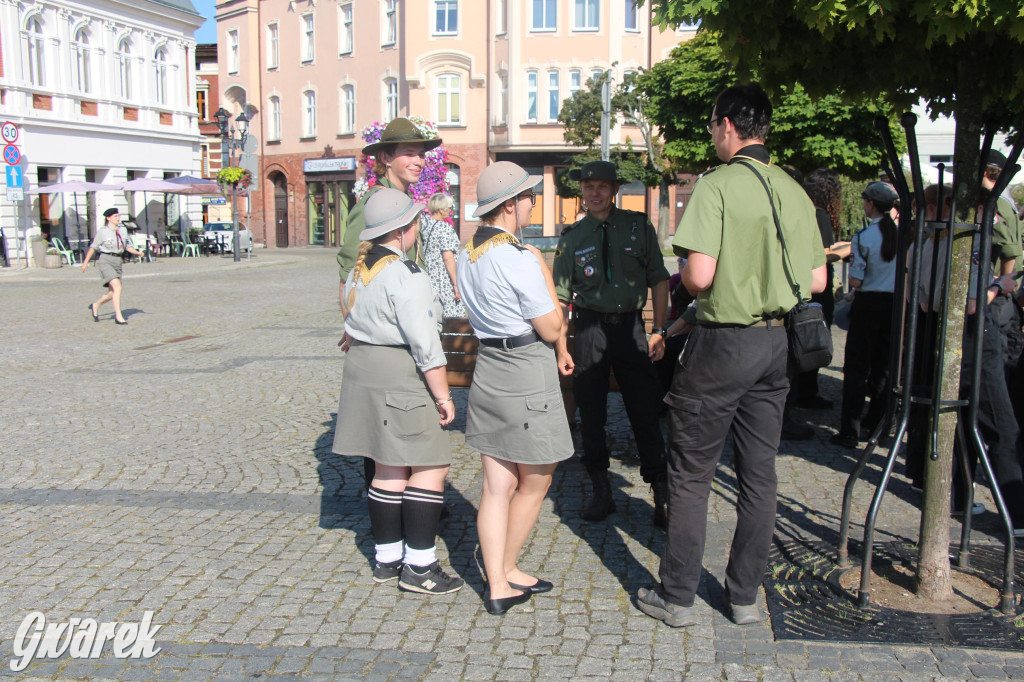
(619, 344)
(727, 378)
(866, 369)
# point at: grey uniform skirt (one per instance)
(110, 267)
(386, 412)
(515, 406)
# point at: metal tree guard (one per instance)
(900, 389)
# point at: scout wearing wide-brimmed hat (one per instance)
(515, 417)
(393, 387)
(391, 172)
(604, 265)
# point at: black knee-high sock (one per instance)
(421, 512)
(385, 515)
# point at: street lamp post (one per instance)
(228, 143)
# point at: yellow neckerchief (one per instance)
(367, 275)
(496, 239)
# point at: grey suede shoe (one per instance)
(745, 615)
(654, 605)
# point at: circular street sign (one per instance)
(10, 132)
(12, 155)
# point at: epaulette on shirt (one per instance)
(413, 268)
(569, 228)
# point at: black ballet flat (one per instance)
(497, 607)
(536, 588)
(92, 311)
(116, 321)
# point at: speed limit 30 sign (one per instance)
(10, 132)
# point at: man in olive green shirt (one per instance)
(731, 374)
(604, 266)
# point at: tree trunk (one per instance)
(664, 211)
(933, 570)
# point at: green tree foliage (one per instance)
(828, 130)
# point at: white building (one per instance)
(935, 140)
(102, 91)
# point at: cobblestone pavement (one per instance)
(182, 465)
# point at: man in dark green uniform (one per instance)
(731, 374)
(604, 265)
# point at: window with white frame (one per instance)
(160, 76)
(345, 35)
(449, 99)
(446, 17)
(348, 109)
(123, 57)
(503, 100)
(309, 114)
(390, 99)
(554, 99)
(389, 26)
(273, 46)
(233, 57)
(596, 74)
(545, 13)
(586, 15)
(35, 49)
(82, 62)
(575, 80)
(274, 119)
(307, 37)
(531, 96)
(632, 16)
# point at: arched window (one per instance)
(124, 69)
(309, 114)
(82, 62)
(35, 47)
(348, 109)
(390, 99)
(274, 120)
(160, 68)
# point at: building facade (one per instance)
(102, 91)
(492, 74)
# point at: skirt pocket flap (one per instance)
(538, 403)
(405, 401)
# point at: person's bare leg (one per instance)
(103, 299)
(499, 485)
(524, 510)
(115, 292)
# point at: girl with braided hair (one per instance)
(393, 388)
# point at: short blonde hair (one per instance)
(440, 202)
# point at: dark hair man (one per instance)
(604, 265)
(732, 372)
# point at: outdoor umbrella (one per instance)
(145, 185)
(74, 186)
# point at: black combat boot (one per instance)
(601, 503)
(660, 488)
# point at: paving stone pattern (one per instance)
(182, 465)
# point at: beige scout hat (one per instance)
(499, 182)
(398, 131)
(388, 209)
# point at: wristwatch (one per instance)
(662, 332)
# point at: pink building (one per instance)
(491, 73)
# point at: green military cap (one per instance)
(398, 131)
(596, 170)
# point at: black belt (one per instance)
(767, 321)
(609, 318)
(511, 342)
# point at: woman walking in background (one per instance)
(392, 389)
(440, 244)
(515, 417)
(111, 242)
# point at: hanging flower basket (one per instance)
(233, 178)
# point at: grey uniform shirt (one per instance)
(398, 308)
(106, 240)
(875, 274)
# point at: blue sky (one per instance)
(207, 33)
